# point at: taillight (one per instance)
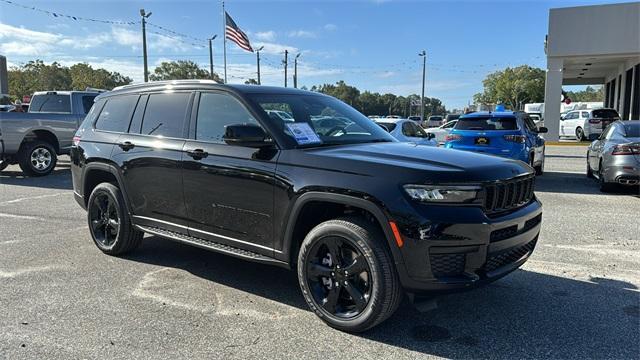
(594, 121)
(453, 137)
(626, 149)
(520, 139)
(76, 140)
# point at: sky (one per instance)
(371, 44)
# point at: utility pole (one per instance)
(258, 62)
(295, 71)
(145, 16)
(211, 55)
(286, 63)
(423, 54)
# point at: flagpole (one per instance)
(224, 27)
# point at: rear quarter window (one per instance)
(487, 123)
(116, 113)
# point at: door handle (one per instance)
(126, 146)
(197, 154)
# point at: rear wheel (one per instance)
(37, 158)
(347, 275)
(580, 134)
(109, 221)
(604, 185)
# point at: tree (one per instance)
(251, 82)
(181, 69)
(38, 76)
(590, 94)
(513, 87)
(84, 76)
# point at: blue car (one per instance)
(503, 133)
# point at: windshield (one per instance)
(319, 120)
(486, 123)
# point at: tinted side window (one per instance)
(215, 112)
(116, 114)
(50, 103)
(164, 115)
(87, 102)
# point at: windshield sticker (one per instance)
(303, 133)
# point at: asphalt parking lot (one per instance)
(60, 298)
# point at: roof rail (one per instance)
(168, 82)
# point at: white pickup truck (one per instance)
(36, 138)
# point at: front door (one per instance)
(228, 189)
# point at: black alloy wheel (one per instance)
(104, 220)
(339, 277)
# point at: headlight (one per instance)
(443, 194)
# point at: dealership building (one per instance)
(593, 45)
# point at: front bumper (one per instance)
(463, 256)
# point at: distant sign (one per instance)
(567, 101)
(26, 99)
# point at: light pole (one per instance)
(145, 16)
(258, 62)
(295, 71)
(211, 55)
(286, 64)
(423, 54)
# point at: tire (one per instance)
(112, 233)
(540, 168)
(381, 291)
(37, 158)
(589, 171)
(580, 134)
(605, 187)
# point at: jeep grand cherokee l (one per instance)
(363, 218)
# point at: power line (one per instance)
(61, 15)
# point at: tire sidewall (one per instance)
(334, 229)
(26, 158)
(114, 194)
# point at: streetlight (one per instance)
(423, 54)
(295, 71)
(285, 62)
(145, 16)
(258, 62)
(211, 55)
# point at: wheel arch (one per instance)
(95, 173)
(43, 134)
(297, 226)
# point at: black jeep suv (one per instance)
(301, 180)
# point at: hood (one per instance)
(441, 164)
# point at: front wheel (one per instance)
(580, 134)
(347, 275)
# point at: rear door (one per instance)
(150, 160)
(228, 189)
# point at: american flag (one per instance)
(236, 35)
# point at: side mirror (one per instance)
(543, 130)
(246, 135)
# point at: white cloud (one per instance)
(265, 35)
(274, 49)
(330, 27)
(386, 74)
(19, 33)
(302, 34)
(126, 37)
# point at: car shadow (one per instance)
(525, 315)
(59, 178)
(576, 183)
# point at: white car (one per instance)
(587, 124)
(441, 132)
(406, 130)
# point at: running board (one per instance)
(212, 246)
